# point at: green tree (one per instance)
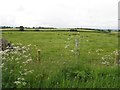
(109, 30)
(21, 28)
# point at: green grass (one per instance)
(61, 67)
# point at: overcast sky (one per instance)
(60, 13)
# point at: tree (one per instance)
(21, 28)
(73, 30)
(109, 30)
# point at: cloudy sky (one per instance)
(60, 13)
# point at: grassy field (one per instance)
(66, 60)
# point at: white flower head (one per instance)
(71, 50)
(17, 82)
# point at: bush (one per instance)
(109, 30)
(73, 30)
(36, 29)
(21, 28)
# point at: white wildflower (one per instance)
(7, 50)
(31, 71)
(18, 62)
(103, 58)
(24, 51)
(11, 71)
(17, 82)
(3, 58)
(89, 52)
(24, 83)
(26, 56)
(1, 52)
(23, 47)
(71, 50)
(29, 60)
(2, 65)
(35, 45)
(20, 79)
(29, 45)
(16, 59)
(25, 69)
(20, 66)
(68, 38)
(66, 46)
(24, 73)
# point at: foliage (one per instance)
(75, 30)
(21, 28)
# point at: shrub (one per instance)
(21, 28)
(109, 30)
(73, 30)
(36, 29)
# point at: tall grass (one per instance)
(68, 60)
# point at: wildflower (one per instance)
(48, 78)
(102, 58)
(68, 38)
(24, 83)
(105, 63)
(35, 45)
(28, 60)
(22, 79)
(25, 69)
(7, 50)
(2, 65)
(1, 52)
(11, 71)
(3, 58)
(57, 82)
(20, 72)
(89, 52)
(16, 59)
(72, 50)
(20, 66)
(23, 47)
(87, 40)
(24, 62)
(64, 62)
(17, 82)
(15, 52)
(24, 73)
(66, 46)
(24, 51)
(12, 58)
(25, 56)
(31, 71)
(18, 62)
(29, 45)
(6, 69)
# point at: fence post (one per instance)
(38, 55)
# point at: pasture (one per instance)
(66, 60)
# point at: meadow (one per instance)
(60, 60)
